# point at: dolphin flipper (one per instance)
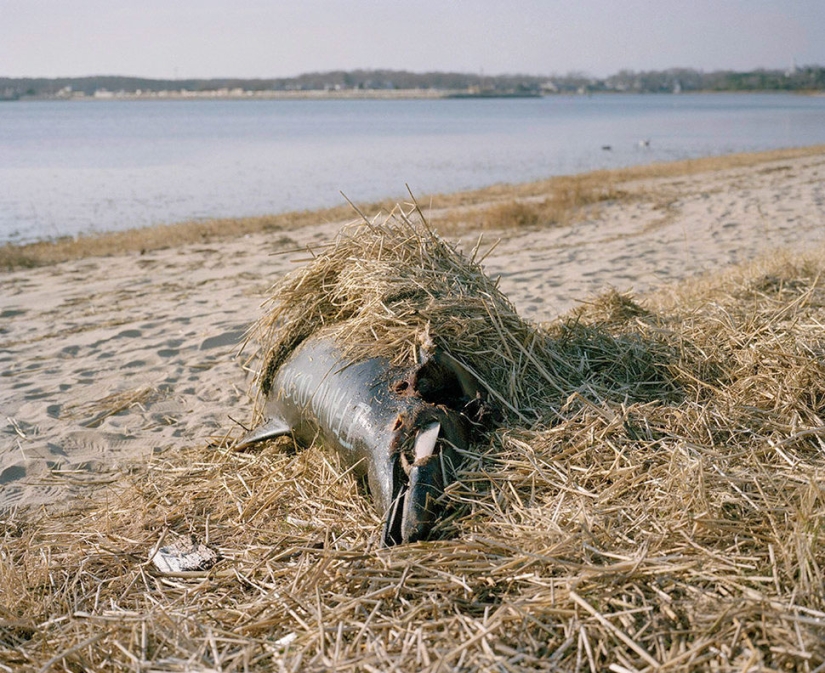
(269, 429)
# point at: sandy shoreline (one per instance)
(106, 360)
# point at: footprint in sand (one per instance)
(12, 473)
(12, 313)
(230, 338)
(169, 348)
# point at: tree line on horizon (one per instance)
(807, 78)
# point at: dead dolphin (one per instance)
(404, 429)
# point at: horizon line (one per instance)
(571, 73)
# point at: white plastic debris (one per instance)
(185, 555)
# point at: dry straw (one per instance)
(384, 288)
(652, 501)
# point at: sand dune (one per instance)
(106, 360)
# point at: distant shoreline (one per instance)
(348, 94)
(377, 94)
(390, 84)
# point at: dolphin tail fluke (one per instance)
(269, 429)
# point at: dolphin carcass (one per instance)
(403, 428)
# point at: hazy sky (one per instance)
(258, 38)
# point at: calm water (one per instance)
(72, 167)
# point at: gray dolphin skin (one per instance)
(403, 429)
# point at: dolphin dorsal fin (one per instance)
(269, 429)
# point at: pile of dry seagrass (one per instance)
(654, 498)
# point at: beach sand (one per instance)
(107, 360)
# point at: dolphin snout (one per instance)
(423, 476)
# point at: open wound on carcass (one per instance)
(429, 443)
